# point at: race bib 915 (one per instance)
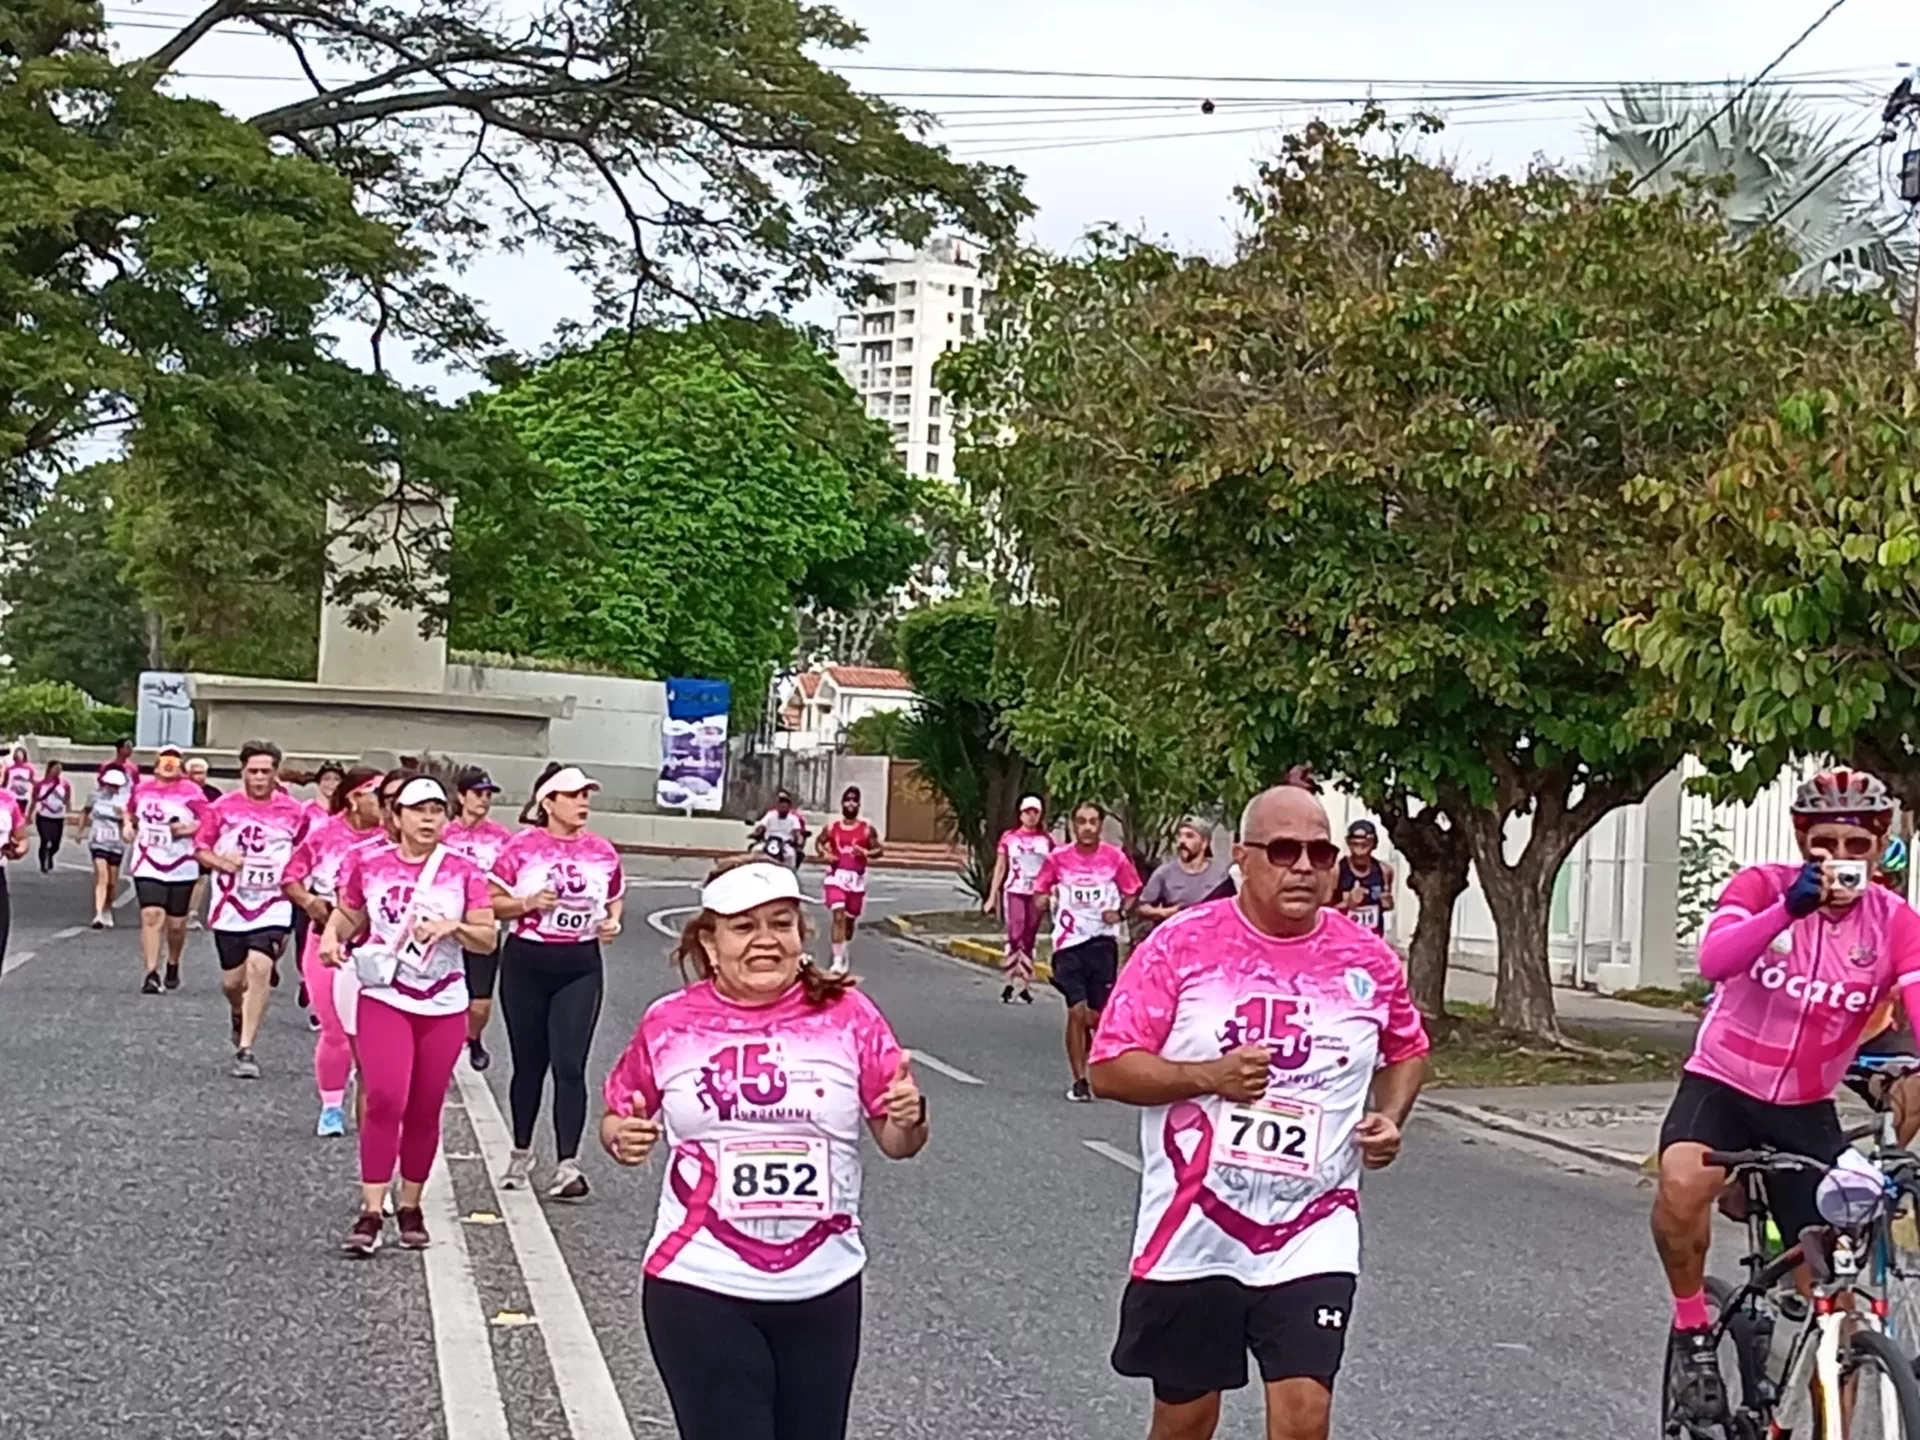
(775, 1177)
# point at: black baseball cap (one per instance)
(476, 780)
(1363, 828)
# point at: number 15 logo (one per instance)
(1276, 1021)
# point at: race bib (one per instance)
(155, 836)
(573, 918)
(260, 876)
(1368, 916)
(853, 882)
(1278, 1136)
(775, 1177)
(105, 835)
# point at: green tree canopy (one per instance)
(716, 477)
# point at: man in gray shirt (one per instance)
(1188, 878)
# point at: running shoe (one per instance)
(301, 998)
(151, 985)
(1006, 996)
(333, 1123)
(313, 1021)
(106, 919)
(477, 1055)
(365, 1236)
(1695, 1370)
(245, 1067)
(568, 1182)
(1027, 996)
(1080, 1092)
(173, 971)
(519, 1170)
(413, 1228)
(193, 922)
(99, 920)
(838, 967)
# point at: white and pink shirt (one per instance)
(480, 843)
(262, 835)
(321, 856)
(583, 870)
(18, 777)
(1270, 1191)
(429, 979)
(1026, 852)
(157, 806)
(763, 1107)
(12, 820)
(52, 798)
(1792, 998)
(849, 841)
(1085, 885)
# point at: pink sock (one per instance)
(333, 1099)
(1690, 1312)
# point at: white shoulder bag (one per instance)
(377, 965)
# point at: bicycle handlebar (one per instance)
(1769, 1160)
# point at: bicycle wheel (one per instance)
(1885, 1397)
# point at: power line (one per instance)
(1737, 96)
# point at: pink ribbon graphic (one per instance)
(762, 1255)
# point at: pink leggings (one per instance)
(1023, 929)
(406, 1064)
(332, 1047)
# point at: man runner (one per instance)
(1089, 886)
(245, 840)
(847, 844)
(1275, 1052)
(1365, 884)
(782, 832)
(1800, 957)
(122, 761)
(1191, 876)
(162, 819)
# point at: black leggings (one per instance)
(550, 998)
(50, 833)
(6, 912)
(754, 1369)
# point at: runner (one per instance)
(418, 905)
(245, 842)
(1021, 853)
(1275, 1052)
(847, 845)
(313, 884)
(480, 838)
(326, 783)
(122, 761)
(161, 822)
(758, 1075)
(105, 813)
(18, 777)
(562, 892)
(782, 832)
(13, 823)
(1190, 877)
(1799, 956)
(1365, 883)
(196, 770)
(1089, 885)
(52, 799)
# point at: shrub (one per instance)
(104, 724)
(43, 707)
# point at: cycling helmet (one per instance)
(1849, 795)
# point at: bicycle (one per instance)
(1843, 1369)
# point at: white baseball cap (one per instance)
(567, 780)
(173, 750)
(421, 790)
(1032, 802)
(748, 887)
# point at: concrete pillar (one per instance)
(396, 655)
(1657, 948)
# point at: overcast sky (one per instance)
(1079, 141)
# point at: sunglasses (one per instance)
(1285, 854)
(1853, 845)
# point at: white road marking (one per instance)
(1113, 1153)
(658, 920)
(68, 933)
(587, 1392)
(14, 961)
(469, 1386)
(952, 1072)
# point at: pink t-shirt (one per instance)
(1792, 998)
(262, 834)
(763, 1106)
(584, 871)
(1026, 852)
(320, 857)
(12, 820)
(1264, 1193)
(430, 979)
(157, 806)
(480, 843)
(1085, 886)
(19, 779)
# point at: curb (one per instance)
(974, 952)
(701, 852)
(1493, 1120)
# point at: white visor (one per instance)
(173, 750)
(570, 780)
(1032, 802)
(748, 887)
(113, 777)
(421, 790)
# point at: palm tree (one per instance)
(1772, 147)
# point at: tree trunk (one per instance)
(1521, 899)
(1438, 863)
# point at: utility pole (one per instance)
(1904, 104)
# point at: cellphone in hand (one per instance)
(1850, 874)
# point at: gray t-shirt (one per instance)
(1172, 885)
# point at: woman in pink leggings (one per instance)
(312, 882)
(417, 904)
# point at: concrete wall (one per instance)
(344, 720)
(614, 721)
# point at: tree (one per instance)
(69, 614)
(718, 475)
(884, 732)
(1367, 480)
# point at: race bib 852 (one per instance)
(775, 1177)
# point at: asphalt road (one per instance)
(171, 1266)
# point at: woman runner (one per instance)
(161, 822)
(480, 838)
(1023, 850)
(13, 826)
(761, 1075)
(560, 888)
(52, 799)
(105, 812)
(418, 905)
(18, 778)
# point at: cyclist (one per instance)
(1800, 957)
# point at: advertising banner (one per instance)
(693, 746)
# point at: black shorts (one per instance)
(1191, 1337)
(112, 857)
(173, 896)
(1720, 1117)
(233, 946)
(1085, 973)
(482, 972)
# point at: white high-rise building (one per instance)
(925, 307)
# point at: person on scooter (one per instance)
(782, 832)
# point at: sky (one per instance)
(1087, 146)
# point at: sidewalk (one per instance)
(1667, 1029)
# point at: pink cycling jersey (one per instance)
(1791, 997)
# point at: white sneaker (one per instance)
(106, 919)
(519, 1170)
(838, 965)
(99, 919)
(568, 1182)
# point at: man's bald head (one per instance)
(1284, 812)
(1285, 855)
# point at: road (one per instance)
(171, 1266)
